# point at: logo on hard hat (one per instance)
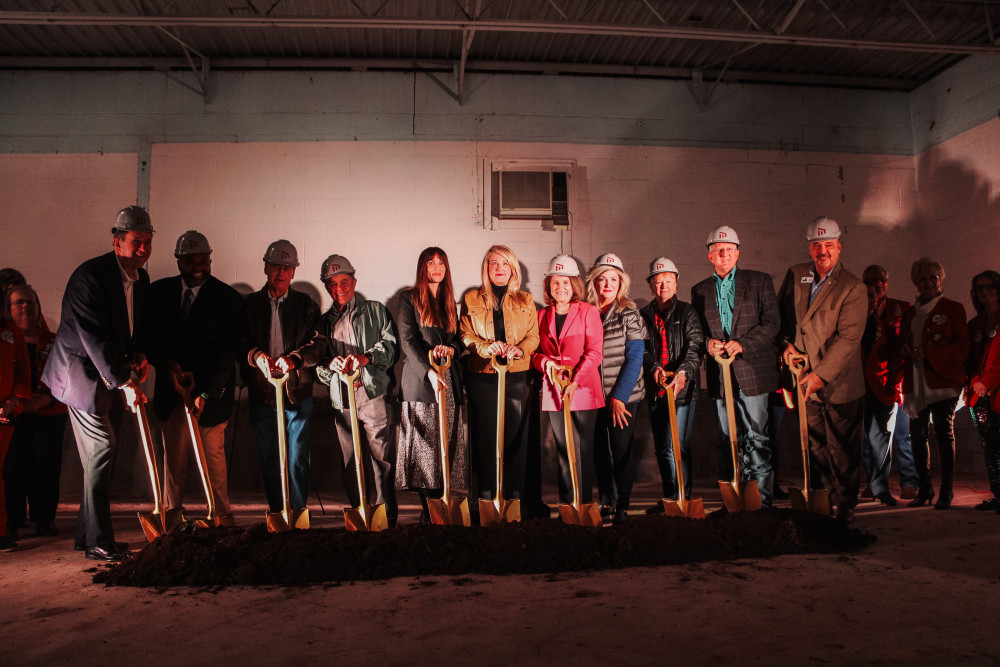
(660, 266)
(335, 267)
(820, 231)
(722, 235)
(284, 254)
(559, 267)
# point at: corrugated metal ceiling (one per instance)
(891, 44)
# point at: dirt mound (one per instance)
(191, 556)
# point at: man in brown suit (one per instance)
(823, 312)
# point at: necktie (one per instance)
(186, 304)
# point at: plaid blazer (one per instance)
(755, 326)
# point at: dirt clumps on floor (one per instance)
(190, 556)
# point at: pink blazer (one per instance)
(581, 346)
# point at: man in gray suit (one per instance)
(824, 308)
(739, 315)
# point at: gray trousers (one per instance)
(378, 442)
(96, 440)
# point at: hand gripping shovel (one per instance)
(153, 523)
(364, 518)
(286, 519)
(184, 384)
(445, 511)
(576, 514)
(738, 496)
(807, 498)
(499, 510)
(682, 507)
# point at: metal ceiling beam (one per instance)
(655, 32)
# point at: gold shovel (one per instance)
(576, 514)
(286, 519)
(184, 384)
(682, 507)
(738, 496)
(808, 499)
(364, 517)
(445, 511)
(499, 510)
(153, 523)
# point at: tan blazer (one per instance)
(520, 327)
(829, 330)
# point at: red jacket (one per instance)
(984, 361)
(945, 344)
(581, 346)
(883, 365)
(15, 366)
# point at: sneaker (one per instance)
(7, 544)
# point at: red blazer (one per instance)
(984, 361)
(15, 366)
(883, 365)
(945, 343)
(580, 345)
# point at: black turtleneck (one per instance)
(499, 331)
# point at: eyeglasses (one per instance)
(928, 279)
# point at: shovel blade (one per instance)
(738, 497)
(499, 510)
(453, 513)
(225, 520)
(365, 518)
(489, 515)
(152, 524)
(686, 509)
(300, 519)
(276, 522)
(171, 518)
(817, 500)
(588, 515)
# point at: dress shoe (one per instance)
(923, 497)
(943, 501)
(46, 529)
(425, 518)
(541, 511)
(621, 516)
(107, 555)
(607, 511)
(12, 531)
(779, 493)
(656, 509)
(845, 514)
(989, 504)
(907, 492)
(885, 498)
(119, 546)
(867, 493)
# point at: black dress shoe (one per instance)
(923, 497)
(656, 509)
(988, 504)
(46, 530)
(844, 514)
(621, 516)
(607, 511)
(886, 499)
(779, 493)
(107, 555)
(943, 501)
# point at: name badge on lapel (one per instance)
(8, 336)
(806, 280)
(939, 319)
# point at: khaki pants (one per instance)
(177, 448)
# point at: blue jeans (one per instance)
(754, 447)
(663, 444)
(902, 449)
(876, 456)
(265, 434)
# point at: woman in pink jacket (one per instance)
(571, 334)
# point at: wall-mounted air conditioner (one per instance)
(531, 195)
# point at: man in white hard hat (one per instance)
(284, 339)
(823, 313)
(361, 334)
(196, 327)
(672, 346)
(96, 362)
(739, 316)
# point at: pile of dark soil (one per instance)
(191, 556)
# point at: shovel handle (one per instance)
(562, 377)
(184, 385)
(798, 364)
(724, 361)
(675, 438)
(442, 399)
(439, 368)
(349, 379)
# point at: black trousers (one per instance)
(583, 422)
(613, 460)
(96, 440)
(836, 435)
(481, 390)
(31, 471)
(942, 413)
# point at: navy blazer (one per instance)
(207, 344)
(93, 349)
(756, 322)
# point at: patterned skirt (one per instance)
(418, 451)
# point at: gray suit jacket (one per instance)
(755, 326)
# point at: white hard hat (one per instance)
(662, 265)
(335, 265)
(823, 229)
(282, 253)
(192, 243)
(562, 265)
(723, 234)
(610, 260)
(132, 219)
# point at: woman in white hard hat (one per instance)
(498, 320)
(428, 321)
(935, 345)
(983, 368)
(571, 334)
(621, 371)
(675, 338)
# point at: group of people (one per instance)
(590, 346)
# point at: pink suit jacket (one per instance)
(580, 346)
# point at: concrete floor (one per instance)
(927, 591)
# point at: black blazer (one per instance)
(417, 340)
(93, 349)
(206, 344)
(756, 322)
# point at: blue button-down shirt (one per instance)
(725, 296)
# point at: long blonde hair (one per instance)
(513, 285)
(624, 285)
